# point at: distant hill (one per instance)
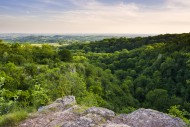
(58, 38)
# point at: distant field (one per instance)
(52, 44)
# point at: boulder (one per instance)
(149, 118)
(59, 104)
(68, 100)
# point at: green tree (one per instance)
(39, 96)
(157, 99)
(65, 55)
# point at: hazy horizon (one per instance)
(82, 33)
(95, 16)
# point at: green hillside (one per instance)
(121, 74)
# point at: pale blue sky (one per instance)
(94, 16)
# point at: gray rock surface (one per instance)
(101, 111)
(89, 120)
(116, 125)
(149, 118)
(59, 104)
(65, 113)
(68, 100)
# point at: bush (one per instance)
(5, 106)
(176, 112)
(128, 110)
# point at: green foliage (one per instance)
(127, 110)
(79, 59)
(65, 55)
(2, 81)
(90, 100)
(39, 96)
(121, 74)
(81, 109)
(5, 106)
(146, 68)
(176, 112)
(157, 99)
(12, 119)
(116, 44)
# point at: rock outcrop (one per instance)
(59, 104)
(106, 113)
(149, 118)
(65, 113)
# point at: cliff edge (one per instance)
(64, 112)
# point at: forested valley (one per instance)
(121, 74)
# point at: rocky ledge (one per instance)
(64, 112)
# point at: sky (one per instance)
(95, 16)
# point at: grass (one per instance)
(12, 119)
(81, 109)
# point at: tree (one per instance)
(43, 54)
(157, 99)
(3, 48)
(65, 55)
(39, 96)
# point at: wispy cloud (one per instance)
(178, 4)
(84, 16)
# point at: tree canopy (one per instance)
(121, 74)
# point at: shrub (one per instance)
(176, 112)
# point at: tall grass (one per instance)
(12, 119)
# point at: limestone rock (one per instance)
(80, 122)
(149, 118)
(59, 104)
(50, 118)
(101, 111)
(116, 125)
(86, 120)
(68, 100)
(65, 113)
